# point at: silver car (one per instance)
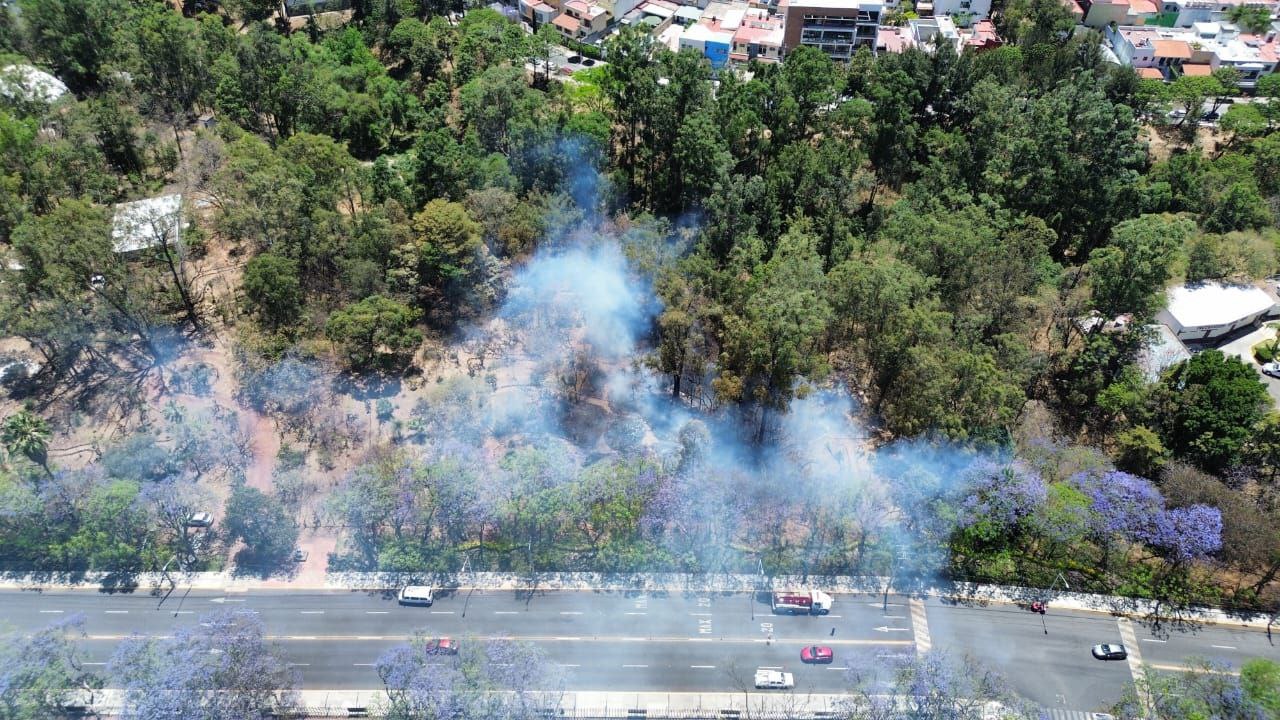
(1110, 651)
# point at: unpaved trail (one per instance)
(266, 446)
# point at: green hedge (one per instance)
(1265, 351)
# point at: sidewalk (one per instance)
(954, 593)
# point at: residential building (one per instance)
(1185, 13)
(925, 32)
(969, 10)
(30, 84)
(589, 19)
(1206, 312)
(714, 44)
(147, 223)
(1162, 351)
(759, 37)
(1197, 50)
(836, 27)
(537, 12)
(1101, 13)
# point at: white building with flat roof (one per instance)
(147, 223)
(1207, 311)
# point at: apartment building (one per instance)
(836, 27)
(1199, 49)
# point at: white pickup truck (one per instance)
(774, 680)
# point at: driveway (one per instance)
(1240, 348)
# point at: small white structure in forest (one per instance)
(147, 223)
(1207, 311)
(1161, 352)
(31, 84)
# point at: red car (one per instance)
(442, 646)
(818, 654)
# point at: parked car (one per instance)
(200, 519)
(416, 595)
(442, 646)
(817, 655)
(774, 680)
(1110, 651)
(300, 556)
(1272, 369)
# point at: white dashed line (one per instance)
(770, 667)
(302, 637)
(441, 612)
(704, 667)
(299, 664)
(375, 612)
(362, 664)
(1224, 647)
(635, 666)
(701, 614)
(116, 612)
(504, 612)
(1153, 640)
(836, 616)
(569, 665)
(570, 612)
(368, 637)
(89, 663)
(630, 613)
(184, 612)
(567, 638)
(837, 669)
(52, 611)
(312, 612)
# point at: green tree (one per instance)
(374, 331)
(772, 342)
(77, 37)
(27, 434)
(444, 254)
(273, 290)
(1260, 679)
(171, 66)
(1208, 407)
(269, 533)
(1254, 18)
(1129, 274)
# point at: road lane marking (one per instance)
(704, 667)
(529, 638)
(920, 627)
(701, 614)
(630, 613)
(362, 664)
(1184, 668)
(311, 612)
(52, 611)
(93, 663)
(769, 667)
(567, 638)
(299, 664)
(504, 612)
(570, 612)
(1224, 647)
(840, 616)
(441, 612)
(184, 612)
(1134, 659)
(569, 665)
(837, 669)
(375, 612)
(1153, 640)
(116, 612)
(635, 666)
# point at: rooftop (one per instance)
(1196, 70)
(1162, 351)
(31, 83)
(566, 22)
(1152, 73)
(1172, 49)
(835, 4)
(146, 223)
(1213, 304)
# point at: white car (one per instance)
(774, 680)
(416, 595)
(1272, 369)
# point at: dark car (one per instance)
(1108, 651)
(817, 654)
(442, 646)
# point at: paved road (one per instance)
(677, 642)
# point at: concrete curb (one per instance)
(648, 583)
